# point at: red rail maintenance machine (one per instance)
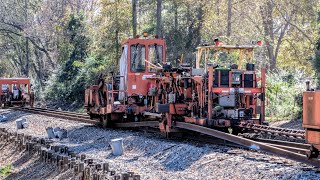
(15, 92)
(147, 88)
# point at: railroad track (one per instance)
(80, 117)
(300, 148)
(293, 133)
(289, 150)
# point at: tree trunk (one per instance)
(117, 34)
(200, 20)
(27, 58)
(188, 42)
(134, 17)
(272, 59)
(27, 40)
(38, 71)
(159, 26)
(117, 47)
(229, 18)
(267, 21)
(317, 54)
(175, 49)
(217, 3)
(218, 8)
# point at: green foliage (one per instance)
(284, 94)
(74, 48)
(5, 171)
(69, 84)
(72, 43)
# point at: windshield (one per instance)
(155, 57)
(5, 87)
(137, 58)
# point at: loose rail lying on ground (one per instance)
(250, 143)
(293, 151)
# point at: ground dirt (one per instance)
(148, 155)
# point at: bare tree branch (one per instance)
(290, 23)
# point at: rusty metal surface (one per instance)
(64, 115)
(283, 143)
(311, 113)
(55, 111)
(249, 143)
(25, 94)
(138, 124)
(311, 117)
(288, 150)
(300, 148)
(275, 130)
(292, 149)
(313, 137)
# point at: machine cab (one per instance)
(15, 91)
(141, 58)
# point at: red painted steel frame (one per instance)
(17, 81)
(227, 90)
(135, 78)
(311, 117)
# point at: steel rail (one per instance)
(70, 112)
(249, 143)
(55, 110)
(62, 115)
(80, 115)
(138, 124)
(276, 130)
(213, 140)
(292, 149)
(291, 146)
(287, 150)
(282, 143)
(5, 111)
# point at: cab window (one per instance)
(137, 58)
(155, 57)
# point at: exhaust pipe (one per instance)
(308, 85)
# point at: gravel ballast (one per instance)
(148, 155)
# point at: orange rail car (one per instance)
(311, 119)
(16, 91)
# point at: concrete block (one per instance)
(25, 125)
(3, 118)
(56, 131)
(62, 133)
(50, 133)
(19, 123)
(117, 146)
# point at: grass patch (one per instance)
(5, 171)
(80, 110)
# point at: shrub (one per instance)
(5, 171)
(284, 94)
